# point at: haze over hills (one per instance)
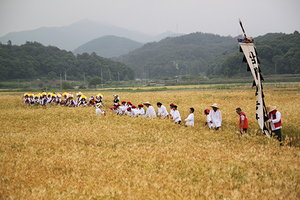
(108, 46)
(72, 36)
(192, 52)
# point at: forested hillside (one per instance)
(192, 52)
(282, 49)
(33, 60)
(108, 46)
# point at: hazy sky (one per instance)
(156, 16)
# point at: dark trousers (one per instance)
(245, 131)
(277, 133)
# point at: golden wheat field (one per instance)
(57, 152)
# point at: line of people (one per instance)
(214, 117)
(66, 99)
(126, 108)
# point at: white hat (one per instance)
(147, 103)
(214, 105)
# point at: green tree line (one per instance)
(282, 50)
(33, 60)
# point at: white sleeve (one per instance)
(278, 117)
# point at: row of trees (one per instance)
(278, 53)
(33, 60)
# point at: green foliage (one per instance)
(66, 85)
(192, 53)
(284, 50)
(33, 60)
(95, 81)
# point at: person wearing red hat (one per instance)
(171, 110)
(118, 109)
(124, 107)
(132, 111)
(140, 110)
(206, 112)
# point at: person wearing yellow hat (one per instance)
(82, 101)
(274, 118)
(215, 116)
(70, 102)
(98, 100)
(36, 99)
(26, 98)
(58, 99)
(78, 94)
(44, 99)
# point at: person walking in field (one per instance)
(216, 117)
(243, 124)
(150, 112)
(176, 115)
(208, 121)
(190, 119)
(274, 118)
(162, 111)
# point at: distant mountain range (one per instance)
(72, 36)
(108, 46)
(191, 52)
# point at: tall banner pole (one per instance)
(250, 56)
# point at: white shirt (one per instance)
(208, 121)
(216, 118)
(141, 112)
(150, 112)
(171, 112)
(162, 111)
(278, 117)
(133, 112)
(176, 116)
(190, 120)
(124, 109)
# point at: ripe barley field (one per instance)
(57, 152)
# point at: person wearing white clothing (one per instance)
(176, 115)
(274, 118)
(190, 119)
(140, 111)
(162, 111)
(208, 122)
(171, 110)
(132, 112)
(124, 107)
(150, 112)
(215, 115)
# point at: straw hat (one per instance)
(270, 108)
(147, 103)
(214, 105)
